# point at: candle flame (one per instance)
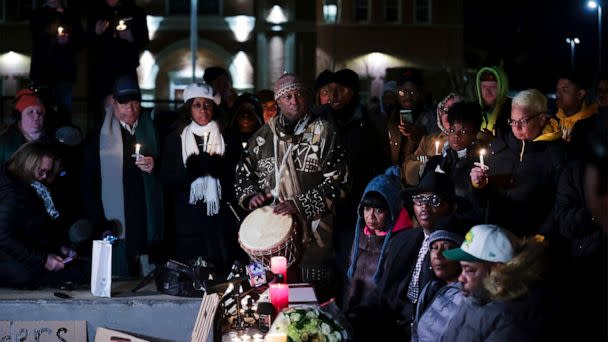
(482, 152)
(60, 30)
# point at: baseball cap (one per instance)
(484, 242)
(126, 89)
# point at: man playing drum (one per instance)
(294, 162)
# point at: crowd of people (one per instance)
(481, 219)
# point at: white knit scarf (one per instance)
(206, 188)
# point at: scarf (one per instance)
(440, 106)
(45, 195)
(566, 123)
(205, 188)
(110, 161)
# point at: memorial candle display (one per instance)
(482, 152)
(278, 265)
(279, 296)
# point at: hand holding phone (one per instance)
(406, 116)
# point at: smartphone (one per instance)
(68, 259)
(406, 116)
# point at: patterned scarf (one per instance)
(45, 195)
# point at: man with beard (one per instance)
(295, 163)
(500, 278)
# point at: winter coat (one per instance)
(574, 221)
(369, 251)
(431, 322)
(11, 139)
(25, 236)
(523, 179)
(196, 232)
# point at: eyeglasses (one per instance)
(523, 122)
(431, 200)
(403, 92)
(458, 133)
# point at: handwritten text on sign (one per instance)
(43, 331)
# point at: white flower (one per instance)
(325, 328)
(295, 317)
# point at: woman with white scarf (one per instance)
(193, 168)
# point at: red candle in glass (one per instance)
(279, 296)
(278, 265)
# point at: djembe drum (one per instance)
(264, 234)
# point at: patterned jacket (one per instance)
(319, 161)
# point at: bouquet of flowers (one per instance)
(304, 324)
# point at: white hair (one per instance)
(531, 99)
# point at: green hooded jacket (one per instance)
(490, 115)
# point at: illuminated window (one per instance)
(391, 11)
(361, 10)
(422, 11)
(205, 7)
(331, 9)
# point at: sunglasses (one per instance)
(430, 200)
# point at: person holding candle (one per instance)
(430, 144)
(381, 217)
(57, 37)
(517, 185)
(458, 159)
(195, 168)
(122, 194)
(114, 51)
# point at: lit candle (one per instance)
(137, 149)
(279, 296)
(436, 147)
(244, 145)
(60, 31)
(121, 26)
(276, 337)
(482, 152)
(278, 265)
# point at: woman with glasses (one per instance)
(431, 144)
(31, 251)
(194, 169)
(518, 181)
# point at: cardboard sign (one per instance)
(107, 335)
(43, 331)
(204, 321)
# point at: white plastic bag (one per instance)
(101, 269)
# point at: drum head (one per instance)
(263, 230)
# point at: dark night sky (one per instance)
(530, 37)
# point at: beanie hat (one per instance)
(348, 78)
(325, 77)
(287, 83)
(440, 235)
(26, 98)
(203, 90)
(484, 242)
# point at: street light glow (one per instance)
(592, 4)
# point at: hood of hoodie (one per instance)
(501, 97)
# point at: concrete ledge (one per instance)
(145, 313)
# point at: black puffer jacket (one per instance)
(523, 179)
(24, 233)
